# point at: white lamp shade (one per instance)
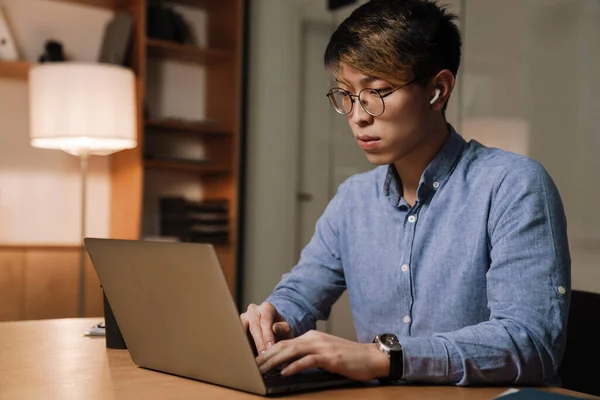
(82, 108)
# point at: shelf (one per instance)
(185, 52)
(110, 4)
(193, 3)
(189, 166)
(175, 126)
(15, 69)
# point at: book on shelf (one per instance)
(194, 221)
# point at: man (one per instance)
(455, 256)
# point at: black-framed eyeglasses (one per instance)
(371, 100)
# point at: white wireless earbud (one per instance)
(437, 96)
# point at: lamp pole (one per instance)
(83, 174)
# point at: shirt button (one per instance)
(562, 290)
(436, 185)
(404, 268)
(406, 319)
(412, 219)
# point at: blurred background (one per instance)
(234, 125)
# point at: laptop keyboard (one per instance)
(274, 377)
(273, 373)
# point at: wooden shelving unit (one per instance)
(222, 64)
(195, 3)
(191, 166)
(15, 69)
(187, 53)
(180, 127)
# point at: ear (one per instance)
(444, 84)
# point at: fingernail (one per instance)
(284, 372)
(269, 344)
(263, 352)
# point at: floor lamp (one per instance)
(84, 109)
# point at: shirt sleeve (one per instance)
(307, 293)
(528, 290)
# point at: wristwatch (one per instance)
(389, 344)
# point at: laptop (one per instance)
(176, 314)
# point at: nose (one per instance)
(359, 116)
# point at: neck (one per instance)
(411, 167)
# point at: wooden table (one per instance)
(51, 359)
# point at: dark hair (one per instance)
(396, 40)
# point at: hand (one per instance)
(266, 325)
(361, 362)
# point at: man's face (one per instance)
(403, 126)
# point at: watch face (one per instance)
(391, 341)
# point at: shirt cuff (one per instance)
(425, 359)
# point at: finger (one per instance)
(282, 330)
(310, 361)
(256, 333)
(253, 317)
(245, 323)
(264, 356)
(273, 358)
(283, 352)
(266, 324)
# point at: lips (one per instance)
(367, 142)
(367, 138)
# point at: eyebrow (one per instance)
(363, 81)
(369, 79)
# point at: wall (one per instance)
(272, 158)
(39, 189)
(274, 125)
(530, 89)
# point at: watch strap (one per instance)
(396, 365)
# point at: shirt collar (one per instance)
(434, 175)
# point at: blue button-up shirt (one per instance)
(474, 278)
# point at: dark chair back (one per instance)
(580, 369)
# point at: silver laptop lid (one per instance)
(175, 312)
